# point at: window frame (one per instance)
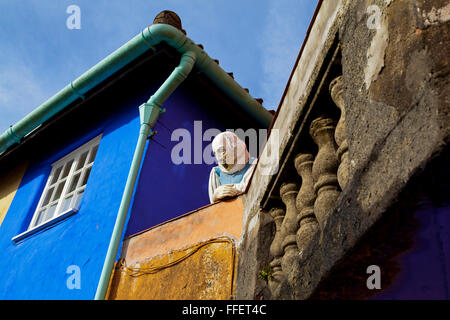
(68, 179)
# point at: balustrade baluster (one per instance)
(336, 91)
(308, 231)
(324, 169)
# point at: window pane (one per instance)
(86, 176)
(56, 175)
(67, 169)
(40, 218)
(65, 188)
(93, 153)
(66, 203)
(74, 182)
(48, 196)
(59, 190)
(82, 160)
(50, 212)
(79, 196)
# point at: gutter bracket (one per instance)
(151, 134)
(13, 135)
(77, 92)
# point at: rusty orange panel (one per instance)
(180, 259)
(207, 274)
(222, 218)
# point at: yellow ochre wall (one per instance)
(193, 257)
(9, 183)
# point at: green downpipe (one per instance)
(149, 113)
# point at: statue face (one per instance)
(224, 159)
(231, 152)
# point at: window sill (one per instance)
(44, 226)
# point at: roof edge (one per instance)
(127, 53)
(308, 32)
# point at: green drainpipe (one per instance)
(149, 113)
(192, 54)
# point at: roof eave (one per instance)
(127, 53)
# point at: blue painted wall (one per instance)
(166, 190)
(424, 269)
(410, 244)
(36, 267)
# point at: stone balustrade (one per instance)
(340, 135)
(276, 250)
(301, 223)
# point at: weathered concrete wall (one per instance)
(396, 95)
(410, 244)
(398, 113)
(10, 182)
(259, 228)
(398, 120)
(191, 257)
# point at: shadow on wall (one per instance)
(10, 182)
(410, 244)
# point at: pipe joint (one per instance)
(164, 32)
(147, 42)
(149, 113)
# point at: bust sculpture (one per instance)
(234, 167)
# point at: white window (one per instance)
(66, 183)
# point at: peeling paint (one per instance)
(192, 257)
(436, 16)
(252, 223)
(376, 53)
(206, 274)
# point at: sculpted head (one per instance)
(230, 151)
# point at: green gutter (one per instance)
(149, 113)
(131, 50)
(76, 89)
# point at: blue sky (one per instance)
(257, 40)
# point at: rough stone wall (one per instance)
(259, 229)
(410, 244)
(396, 95)
(401, 119)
